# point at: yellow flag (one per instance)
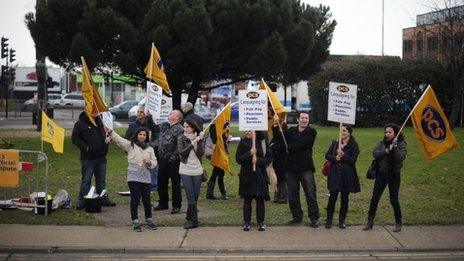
(431, 126)
(93, 102)
(155, 69)
(220, 158)
(276, 105)
(52, 133)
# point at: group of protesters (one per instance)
(157, 153)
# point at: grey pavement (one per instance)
(227, 239)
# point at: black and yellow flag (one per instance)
(155, 69)
(431, 126)
(93, 102)
(52, 133)
(220, 158)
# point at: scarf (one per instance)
(390, 158)
(191, 137)
(142, 145)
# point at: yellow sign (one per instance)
(9, 168)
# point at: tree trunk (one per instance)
(176, 88)
(193, 91)
(456, 105)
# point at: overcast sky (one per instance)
(358, 31)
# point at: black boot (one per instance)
(398, 225)
(341, 220)
(192, 216)
(370, 222)
(328, 223)
(210, 190)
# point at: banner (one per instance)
(252, 113)
(342, 102)
(9, 168)
(154, 101)
(52, 133)
(431, 126)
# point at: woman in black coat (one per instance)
(343, 176)
(279, 155)
(253, 184)
(389, 154)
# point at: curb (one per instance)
(225, 250)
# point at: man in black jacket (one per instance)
(188, 111)
(300, 169)
(91, 141)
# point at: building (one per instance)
(435, 34)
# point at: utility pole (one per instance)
(41, 72)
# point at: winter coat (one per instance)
(167, 141)
(399, 154)
(279, 154)
(135, 157)
(251, 183)
(88, 138)
(300, 147)
(190, 158)
(343, 175)
(137, 124)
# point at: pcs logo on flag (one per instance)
(433, 124)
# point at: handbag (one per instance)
(372, 170)
(271, 175)
(204, 176)
(327, 165)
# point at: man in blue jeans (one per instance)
(93, 146)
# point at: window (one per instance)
(407, 46)
(432, 43)
(420, 42)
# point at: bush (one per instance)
(388, 88)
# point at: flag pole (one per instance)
(254, 147)
(215, 118)
(150, 64)
(410, 113)
(340, 137)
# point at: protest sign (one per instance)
(342, 102)
(252, 110)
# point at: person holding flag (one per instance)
(389, 153)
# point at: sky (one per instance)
(358, 30)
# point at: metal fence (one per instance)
(18, 108)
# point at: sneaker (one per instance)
(246, 226)
(151, 226)
(261, 227)
(158, 208)
(225, 197)
(328, 223)
(342, 225)
(136, 228)
(175, 210)
(314, 223)
(294, 221)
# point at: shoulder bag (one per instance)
(328, 164)
(372, 170)
(271, 175)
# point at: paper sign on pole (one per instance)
(252, 112)
(342, 102)
(154, 97)
(9, 168)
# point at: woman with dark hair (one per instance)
(190, 145)
(343, 177)
(218, 172)
(389, 154)
(253, 184)
(141, 159)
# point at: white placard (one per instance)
(166, 108)
(252, 113)
(154, 97)
(342, 102)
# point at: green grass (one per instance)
(431, 191)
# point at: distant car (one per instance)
(132, 114)
(121, 110)
(31, 104)
(74, 99)
(234, 112)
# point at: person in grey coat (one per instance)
(389, 154)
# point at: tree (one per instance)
(445, 29)
(199, 40)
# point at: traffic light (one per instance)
(49, 82)
(4, 71)
(12, 74)
(12, 55)
(4, 47)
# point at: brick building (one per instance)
(435, 34)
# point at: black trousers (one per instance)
(137, 190)
(219, 173)
(381, 181)
(169, 170)
(306, 178)
(260, 209)
(343, 205)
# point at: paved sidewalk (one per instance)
(288, 239)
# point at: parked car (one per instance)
(31, 104)
(121, 110)
(132, 114)
(74, 99)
